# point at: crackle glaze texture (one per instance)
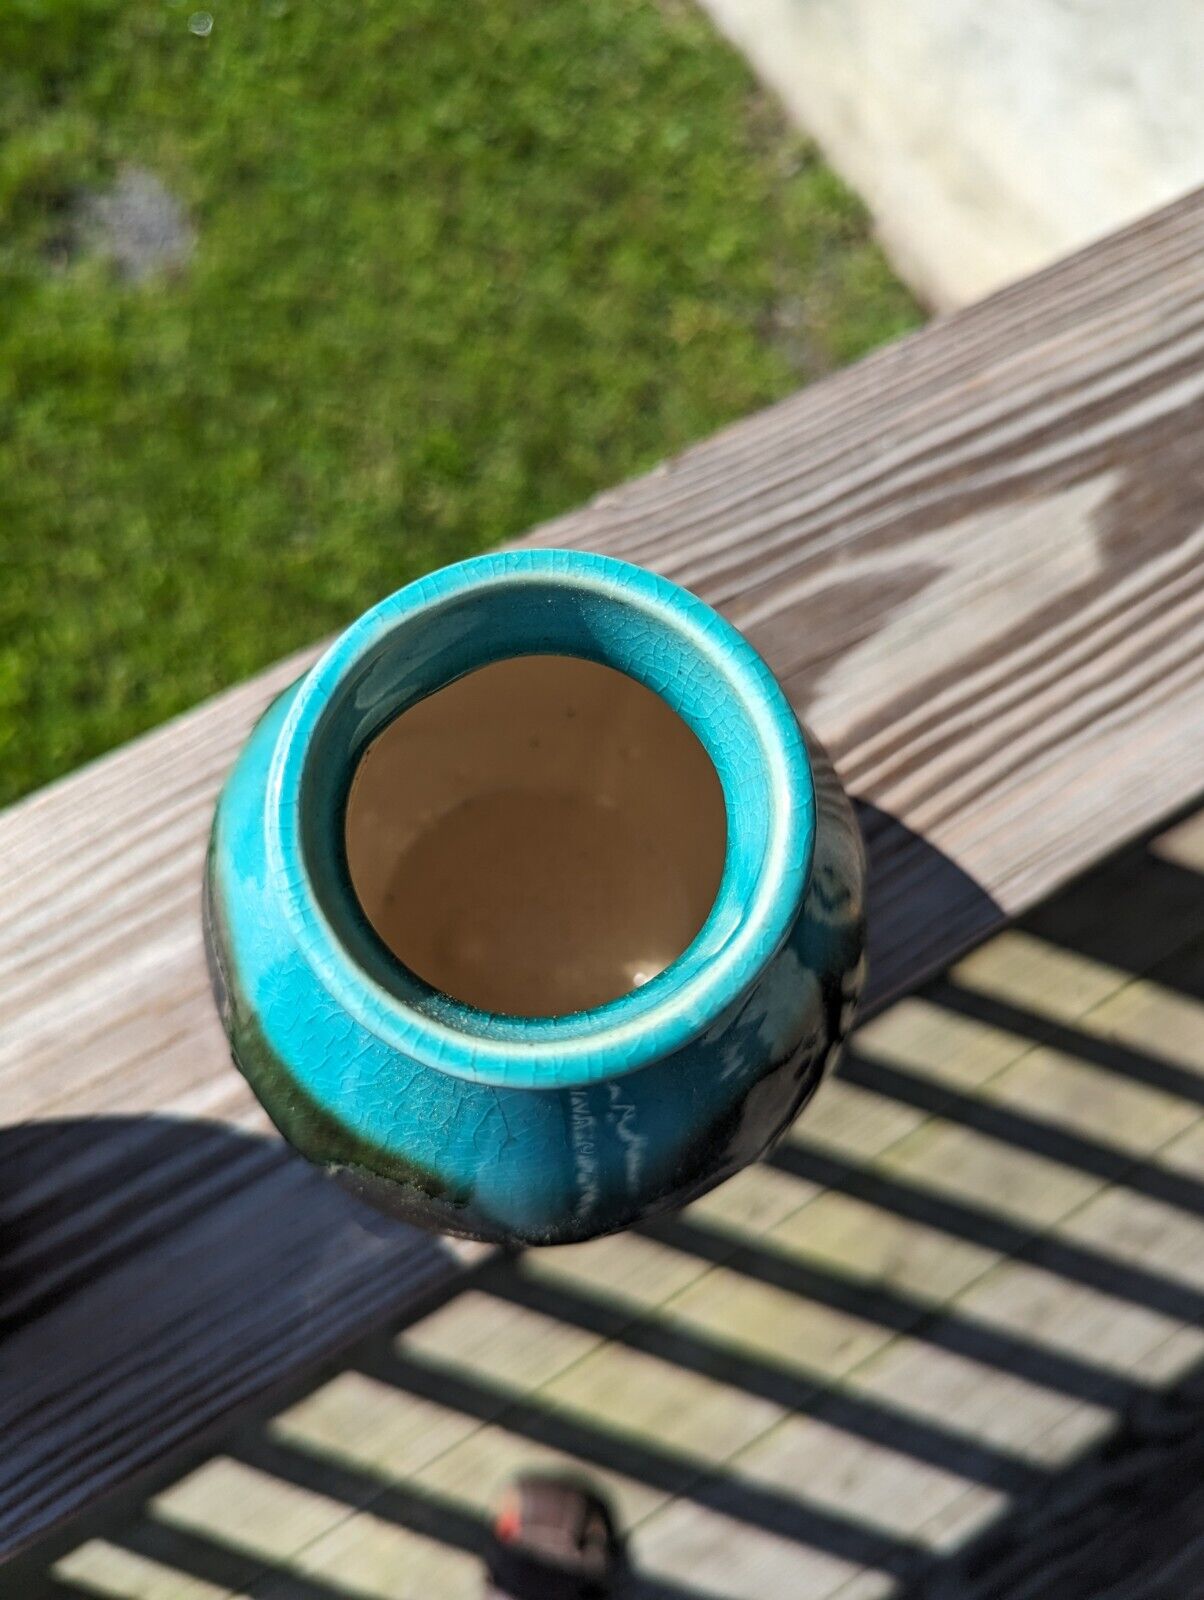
(546, 1129)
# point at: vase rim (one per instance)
(655, 632)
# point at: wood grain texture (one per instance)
(867, 1367)
(975, 562)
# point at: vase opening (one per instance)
(537, 838)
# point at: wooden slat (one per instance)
(975, 562)
(690, 1366)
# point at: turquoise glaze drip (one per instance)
(543, 1129)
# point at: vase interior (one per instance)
(537, 838)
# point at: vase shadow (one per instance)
(923, 909)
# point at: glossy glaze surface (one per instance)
(552, 1128)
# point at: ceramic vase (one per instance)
(531, 910)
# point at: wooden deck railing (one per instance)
(976, 560)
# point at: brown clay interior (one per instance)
(537, 838)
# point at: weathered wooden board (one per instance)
(829, 1379)
(975, 561)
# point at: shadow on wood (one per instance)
(1123, 1522)
(914, 887)
(125, 1314)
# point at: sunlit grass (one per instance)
(457, 267)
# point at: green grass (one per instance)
(458, 267)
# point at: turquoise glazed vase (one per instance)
(530, 910)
